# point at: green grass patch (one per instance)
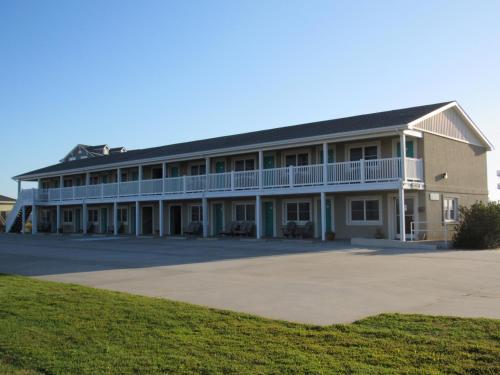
(53, 328)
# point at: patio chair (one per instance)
(307, 231)
(290, 229)
(233, 227)
(193, 229)
(241, 230)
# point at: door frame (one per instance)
(212, 214)
(169, 218)
(391, 211)
(275, 207)
(141, 207)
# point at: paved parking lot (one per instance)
(320, 283)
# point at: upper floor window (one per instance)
(295, 159)
(68, 183)
(244, 165)
(198, 169)
(367, 152)
(94, 180)
(450, 209)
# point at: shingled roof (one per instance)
(336, 126)
(3, 198)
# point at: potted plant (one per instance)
(330, 235)
(379, 234)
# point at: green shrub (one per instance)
(479, 226)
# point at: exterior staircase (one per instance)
(14, 220)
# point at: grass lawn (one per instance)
(54, 328)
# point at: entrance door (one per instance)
(104, 220)
(147, 220)
(175, 220)
(218, 218)
(268, 219)
(78, 220)
(409, 216)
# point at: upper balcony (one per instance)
(342, 176)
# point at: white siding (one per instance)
(451, 124)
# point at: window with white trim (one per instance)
(198, 169)
(93, 215)
(244, 165)
(450, 209)
(196, 214)
(68, 216)
(123, 215)
(244, 212)
(298, 211)
(366, 152)
(296, 159)
(364, 211)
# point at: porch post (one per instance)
(258, 217)
(402, 228)
(139, 178)
(205, 216)
(160, 208)
(402, 224)
(23, 218)
(325, 163)
(115, 218)
(261, 168)
(323, 216)
(34, 219)
(58, 218)
(137, 219)
(85, 218)
(118, 180)
(207, 165)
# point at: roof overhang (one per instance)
(267, 146)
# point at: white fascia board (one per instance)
(466, 117)
(307, 141)
(414, 133)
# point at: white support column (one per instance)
(61, 184)
(23, 218)
(139, 177)
(34, 219)
(115, 218)
(332, 205)
(118, 180)
(87, 178)
(204, 203)
(207, 165)
(402, 148)
(85, 218)
(325, 163)
(258, 217)
(261, 168)
(160, 208)
(164, 170)
(18, 189)
(402, 224)
(323, 216)
(58, 218)
(137, 219)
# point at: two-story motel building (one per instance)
(346, 176)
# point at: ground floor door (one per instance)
(175, 216)
(78, 220)
(329, 227)
(104, 219)
(218, 218)
(409, 216)
(132, 220)
(147, 220)
(268, 219)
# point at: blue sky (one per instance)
(142, 74)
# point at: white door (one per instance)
(410, 211)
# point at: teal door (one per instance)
(331, 156)
(78, 220)
(268, 219)
(175, 171)
(104, 220)
(410, 149)
(218, 218)
(220, 167)
(268, 162)
(328, 215)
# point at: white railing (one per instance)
(352, 172)
(414, 169)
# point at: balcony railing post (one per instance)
(74, 192)
(102, 190)
(362, 170)
(184, 184)
(290, 174)
(232, 180)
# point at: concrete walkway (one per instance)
(320, 283)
